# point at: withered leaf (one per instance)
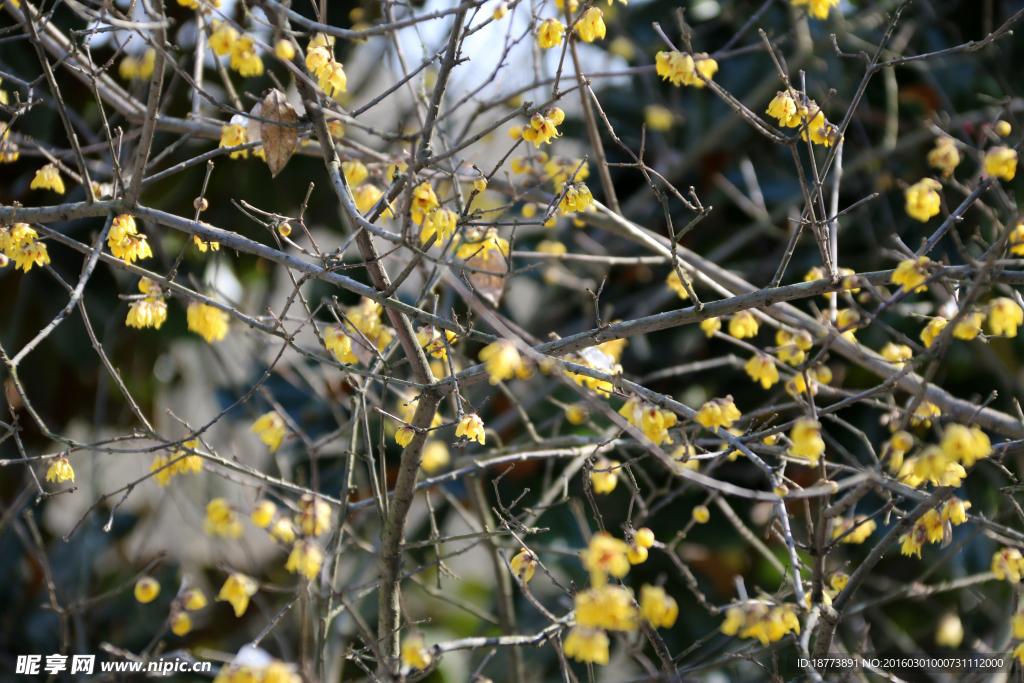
(279, 142)
(487, 285)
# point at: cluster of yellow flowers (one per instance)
(209, 322)
(807, 441)
(181, 462)
(543, 127)
(653, 421)
(764, 621)
(442, 222)
(941, 465)
(795, 110)
(321, 63)
(232, 135)
(433, 343)
(149, 311)
(191, 600)
(226, 40)
(137, 68)
(485, 245)
(21, 244)
(854, 530)
(681, 68)
(606, 607)
(48, 178)
(125, 242)
(792, 347)
(934, 527)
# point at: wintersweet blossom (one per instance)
(48, 178)
(912, 273)
(718, 412)
(681, 69)
(676, 285)
(415, 654)
(441, 222)
(606, 606)
(743, 325)
(524, 565)
(577, 198)
(221, 519)
(701, 514)
(60, 470)
(591, 25)
(423, 201)
(305, 558)
(146, 589)
(271, 429)
(232, 135)
(932, 330)
(945, 156)
(764, 622)
(150, 311)
(761, 368)
(263, 514)
(1008, 565)
(923, 199)
(605, 476)
(237, 590)
(854, 530)
(586, 645)
(897, 354)
(711, 325)
(471, 427)
(605, 555)
(652, 420)
(657, 607)
(1001, 162)
(125, 242)
(543, 127)
(1005, 316)
(965, 445)
(340, 343)
(807, 441)
(969, 326)
(244, 59)
(222, 40)
(550, 33)
(502, 360)
(315, 515)
(435, 456)
(21, 244)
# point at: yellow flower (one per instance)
(193, 600)
(922, 414)
(223, 39)
(305, 558)
(316, 515)
(19, 242)
(1008, 564)
(932, 465)
(682, 69)
(366, 197)
(337, 130)
(914, 540)
(500, 11)
(186, 462)
(423, 201)
(163, 473)
(1002, 128)
(271, 429)
(604, 481)
(605, 555)
(606, 606)
(701, 514)
(762, 369)
(283, 531)
(932, 330)
(955, 510)
(1017, 240)
(1004, 316)
(817, 9)
(856, 530)
(435, 456)
(560, 169)
(1001, 162)
(502, 360)
(577, 413)
(783, 107)
(591, 25)
(181, 623)
(950, 632)
(839, 581)
(543, 128)
(208, 322)
(586, 645)
(221, 519)
(658, 118)
(792, 348)
(146, 589)
(923, 200)
(48, 178)
(332, 78)
(848, 318)
(644, 537)
(550, 33)
(355, 172)
(263, 514)
(710, 326)
(232, 135)
(912, 273)
(340, 343)
(471, 427)
(415, 654)
(676, 285)
(148, 312)
(969, 326)
(60, 471)
(653, 421)
(203, 246)
(404, 435)
(945, 156)
(524, 565)
(284, 50)
(718, 412)
(933, 524)
(577, 198)
(657, 607)
(807, 441)
(244, 59)
(897, 354)
(743, 325)
(965, 445)
(442, 222)
(237, 590)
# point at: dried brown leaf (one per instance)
(279, 142)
